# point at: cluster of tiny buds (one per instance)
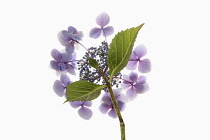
(91, 74)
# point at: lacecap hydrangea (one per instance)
(100, 69)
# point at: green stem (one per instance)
(116, 107)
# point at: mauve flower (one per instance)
(102, 20)
(107, 105)
(63, 62)
(69, 38)
(83, 112)
(134, 85)
(144, 65)
(59, 86)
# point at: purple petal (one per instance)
(141, 79)
(95, 33)
(72, 30)
(131, 65)
(108, 31)
(106, 99)
(63, 39)
(64, 57)
(67, 35)
(79, 35)
(125, 85)
(122, 98)
(58, 73)
(56, 54)
(59, 88)
(70, 56)
(74, 55)
(140, 51)
(73, 64)
(133, 56)
(65, 79)
(121, 105)
(144, 66)
(61, 66)
(130, 93)
(112, 113)
(104, 108)
(85, 113)
(141, 88)
(88, 103)
(54, 65)
(71, 70)
(117, 91)
(133, 76)
(126, 79)
(102, 19)
(70, 48)
(76, 104)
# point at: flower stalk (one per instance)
(116, 107)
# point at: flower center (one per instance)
(91, 74)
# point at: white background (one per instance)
(176, 34)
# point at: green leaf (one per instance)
(83, 91)
(93, 63)
(120, 49)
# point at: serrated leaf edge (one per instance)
(140, 26)
(99, 87)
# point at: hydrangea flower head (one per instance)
(144, 65)
(102, 20)
(97, 73)
(134, 85)
(83, 112)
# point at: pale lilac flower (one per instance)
(63, 62)
(59, 86)
(144, 65)
(102, 20)
(83, 112)
(107, 105)
(69, 38)
(134, 85)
